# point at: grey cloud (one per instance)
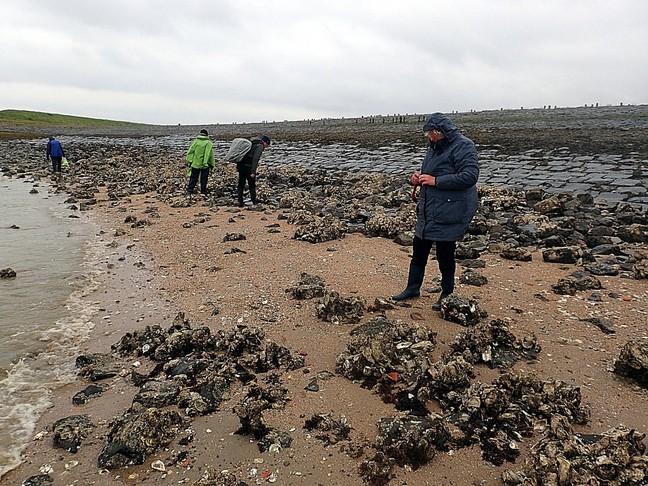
(253, 60)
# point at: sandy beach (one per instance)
(186, 269)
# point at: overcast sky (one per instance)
(220, 61)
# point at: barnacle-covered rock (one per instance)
(565, 254)
(136, 435)
(329, 429)
(390, 226)
(406, 441)
(460, 310)
(632, 361)
(573, 284)
(499, 414)
(472, 277)
(69, 432)
(250, 413)
(387, 352)
(517, 254)
(616, 457)
(494, 344)
(321, 230)
(308, 287)
(333, 308)
(97, 366)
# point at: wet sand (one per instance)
(186, 269)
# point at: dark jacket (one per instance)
(445, 210)
(54, 149)
(250, 161)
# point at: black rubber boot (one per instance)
(437, 305)
(414, 282)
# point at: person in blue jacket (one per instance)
(447, 203)
(55, 154)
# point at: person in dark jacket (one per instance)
(447, 203)
(55, 154)
(248, 165)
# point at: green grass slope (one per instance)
(41, 119)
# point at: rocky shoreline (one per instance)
(292, 345)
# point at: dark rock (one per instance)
(404, 239)
(157, 394)
(517, 254)
(250, 413)
(212, 477)
(473, 263)
(97, 366)
(86, 394)
(640, 269)
(7, 273)
(473, 278)
(276, 438)
(69, 432)
(604, 269)
(634, 233)
(567, 254)
(234, 237)
(571, 285)
(381, 305)
(464, 252)
(38, 480)
(312, 386)
(605, 325)
(633, 361)
(533, 196)
(607, 249)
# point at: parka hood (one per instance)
(438, 121)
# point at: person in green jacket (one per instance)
(200, 158)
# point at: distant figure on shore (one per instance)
(55, 153)
(200, 158)
(247, 167)
(447, 203)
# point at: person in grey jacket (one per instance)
(447, 203)
(247, 167)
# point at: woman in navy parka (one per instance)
(447, 202)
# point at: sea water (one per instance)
(44, 314)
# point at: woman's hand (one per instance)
(414, 179)
(427, 180)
